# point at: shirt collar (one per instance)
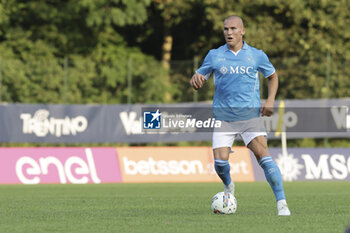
(245, 46)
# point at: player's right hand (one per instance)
(197, 81)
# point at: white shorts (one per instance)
(248, 130)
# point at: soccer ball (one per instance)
(223, 203)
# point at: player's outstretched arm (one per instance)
(197, 81)
(267, 108)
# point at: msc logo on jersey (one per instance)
(151, 120)
(241, 69)
(236, 69)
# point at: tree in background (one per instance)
(36, 36)
(306, 41)
(103, 42)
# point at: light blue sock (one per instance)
(273, 176)
(222, 168)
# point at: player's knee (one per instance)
(221, 153)
(222, 156)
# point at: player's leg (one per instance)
(272, 173)
(258, 146)
(222, 143)
(222, 168)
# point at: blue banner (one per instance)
(126, 123)
(310, 164)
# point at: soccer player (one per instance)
(235, 67)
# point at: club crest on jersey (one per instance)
(223, 69)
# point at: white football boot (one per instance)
(282, 208)
(230, 188)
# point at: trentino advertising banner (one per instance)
(165, 123)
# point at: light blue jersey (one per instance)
(236, 79)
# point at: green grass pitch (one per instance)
(315, 207)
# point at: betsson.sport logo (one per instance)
(151, 166)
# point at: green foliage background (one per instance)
(83, 51)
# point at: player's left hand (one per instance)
(267, 108)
